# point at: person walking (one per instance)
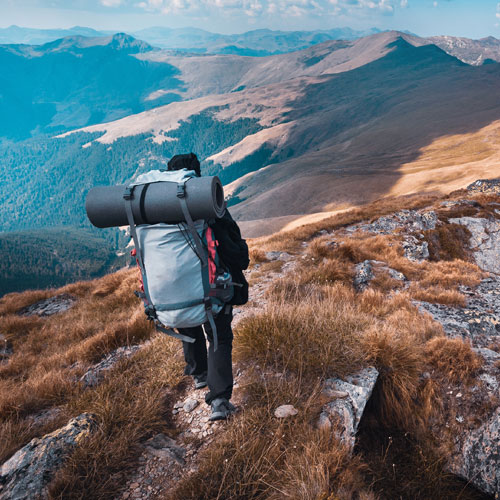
(213, 368)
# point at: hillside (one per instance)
(38, 259)
(294, 137)
(77, 81)
(377, 326)
(371, 110)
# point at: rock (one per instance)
(484, 241)
(479, 321)
(414, 249)
(455, 203)
(27, 473)
(284, 256)
(365, 272)
(285, 411)
(479, 457)
(189, 405)
(50, 306)
(5, 349)
(96, 373)
(348, 410)
(363, 275)
(163, 447)
(485, 186)
(408, 220)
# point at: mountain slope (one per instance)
(338, 139)
(77, 81)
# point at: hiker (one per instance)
(215, 367)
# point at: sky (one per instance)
(469, 18)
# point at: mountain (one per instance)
(339, 124)
(262, 42)
(78, 81)
(294, 137)
(31, 36)
(470, 51)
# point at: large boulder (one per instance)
(477, 322)
(347, 403)
(50, 306)
(484, 241)
(407, 220)
(476, 457)
(28, 472)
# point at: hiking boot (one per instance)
(200, 381)
(221, 409)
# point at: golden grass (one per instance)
(133, 402)
(454, 358)
(313, 336)
(261, 457)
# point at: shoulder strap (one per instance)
(200, 251)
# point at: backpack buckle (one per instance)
(129, 193)
(181, 190)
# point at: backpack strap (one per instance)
(200, 252)
(148, 304)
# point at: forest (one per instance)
(46, 180)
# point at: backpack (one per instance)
(183, 281)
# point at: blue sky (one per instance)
(471, 18)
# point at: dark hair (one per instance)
(189, 161)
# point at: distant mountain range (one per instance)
(291, 135)
(260, 42)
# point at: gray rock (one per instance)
(348, 409)
(485, 186)
(189, 405)
(484, 241)
(408, 220)
(479, 321)
(284, 256)
(96, 373)
(479, 457)
(5, 349)
(27, 473)
(50, 306)
(365, 272)
(285, 411)
(414, 249)
(163, 447)
(363, 275)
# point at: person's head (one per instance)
(189, 161)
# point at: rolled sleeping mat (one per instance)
(156, 202)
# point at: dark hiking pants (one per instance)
(217, 364)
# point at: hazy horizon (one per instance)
(422, 17)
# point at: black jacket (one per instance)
(233, 251)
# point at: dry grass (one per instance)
(313, 336)
(291, 240)
(454, 358)
(261, 457)
(257, 256)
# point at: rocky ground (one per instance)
(474, 410)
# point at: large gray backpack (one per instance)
(183, 281)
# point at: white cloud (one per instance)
(256, 8)
(435, 4)
(111, 3)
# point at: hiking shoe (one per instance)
(200, 381)
(221, 409)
